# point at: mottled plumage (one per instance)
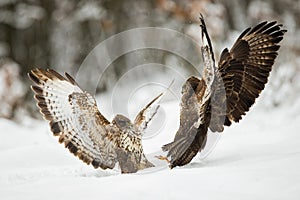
(74, 117)
(226, 91)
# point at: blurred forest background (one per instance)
(59, 34)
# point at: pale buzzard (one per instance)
(76, 120)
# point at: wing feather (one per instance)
(244, 70)
(74, 118)
(145, 116)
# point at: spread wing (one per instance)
(74, 118)
(144, 117)
(244, 70)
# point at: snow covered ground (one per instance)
(259, 158)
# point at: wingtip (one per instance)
(33, 77)
(281, 26)
(71, 79)
(159, 97)
(201, 17)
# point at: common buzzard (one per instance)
(76, 120)
(226, 90)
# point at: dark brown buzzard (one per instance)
(226, 90)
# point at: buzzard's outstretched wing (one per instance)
(144, 117)
(75, 118)
(244, 70)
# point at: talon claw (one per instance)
(160, 157)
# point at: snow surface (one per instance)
(259, 158)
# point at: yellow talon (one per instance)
(160, 157)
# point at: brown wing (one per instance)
(74, 118)
(244, 70)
